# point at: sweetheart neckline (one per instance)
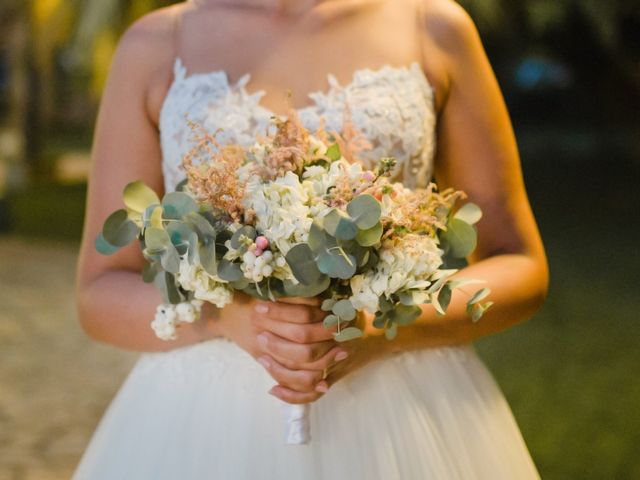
(180, 73)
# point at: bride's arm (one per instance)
(477, 153)
(114, 304)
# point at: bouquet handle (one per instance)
(297, 423)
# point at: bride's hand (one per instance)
(296, 347)
(294, 351)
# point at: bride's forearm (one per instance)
(518, 286)
(117, 308)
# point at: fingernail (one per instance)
(262, 308)
(272, 391)
(264, 362)
(322, 387)
(263, 340)
(341, 356)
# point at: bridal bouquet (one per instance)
(297, 214)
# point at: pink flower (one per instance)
(262, 242)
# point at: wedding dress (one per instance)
(203, 412)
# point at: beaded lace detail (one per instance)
(392, 106)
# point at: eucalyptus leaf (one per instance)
(317, 237)
(178, 204)
(347, 334)
(344, 309)
(444, 297)
(338, 224)
(229, 271)
(370, 236)
(207, 256)
(303, 264)
(201, 225)
(479, 295)
(328, 304)
(104, 247)
(152, 216)
(365, 211)
(150, 271)
(166, 283)
(307, 291)
(138, 196)
(380, 320)
(246, 231)
(460, 238)
(170, 260)
(405, 314)
(469, 213)
(391, 332)
(182, 184)
(337, 264)
(179, 233)
(330, 321)
(157, 239)
(118, 230)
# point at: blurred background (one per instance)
(570, 71)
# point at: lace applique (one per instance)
(392, 106)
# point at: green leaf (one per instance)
(337, 264)
(347, 334)
(171, 260)
(479, 295)
(328, 304)
(137, 197)
(479, 309)
(246, 231)
(469, 213)
(344, 309)
(365, 211)
(178, 204)
(338, 224)
(330, 321)
(104, 247)
(152, 216)
(317, 237)
(202, 226)
(307, 291)
(208, 260)
(333, 152)
(380, 320)
(179, 233)
(461, 282)
(229, 271)
(460, 238)
(156, 239)
(444, 297)
(166, 283)
(405, 314)
(150, 271)
(391, 331)
(118, 230)
(303, 264)
(180, 187)
(370, 236)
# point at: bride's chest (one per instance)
(393, 107)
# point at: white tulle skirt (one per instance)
(202, 412)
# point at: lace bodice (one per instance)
(392, 106)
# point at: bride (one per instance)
(423, 406)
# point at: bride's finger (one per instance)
(336, 355)
(313, 301)
(296, 332)
(287, 312)
(291, 396)
(278, 346)
(298, 380)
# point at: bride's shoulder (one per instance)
(145, 55)
(448, 25)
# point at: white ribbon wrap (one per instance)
(297, 424)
